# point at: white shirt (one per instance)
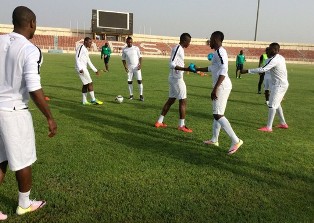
(82, 59)
(220, 67)
(267, 73)
(176, 59)
(131, 55)
(278, 70)
(20, 62)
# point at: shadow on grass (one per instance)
(139, 135)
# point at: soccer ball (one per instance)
(119, 99)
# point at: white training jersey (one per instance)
(20, 62)
(278, 70)
(267, 73)
(220, 67)
(176, 59)
(131, 55)
(82, 59)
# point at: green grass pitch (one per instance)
(109, 164)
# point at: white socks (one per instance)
(181, 122)
(92, 95)
(24, 201)
(84, 97)
(228, 129)
(271, 116)
(140, 88)
(131, 89)
(161, 119)
(216, 131)
(280, 114)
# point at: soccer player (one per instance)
(106, 52)
(279, 76)
(177, 87)
(20, 64)
(82, 59)
(262, 62)
(221, 89)
(239, 63)
(132, 62)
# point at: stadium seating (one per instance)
(69, 44)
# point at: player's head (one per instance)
(129, 41)
(216, 39)
(241, 52)
(185, 40)
(87, 42)
(24, 21)
(106, 44)
(273, 49)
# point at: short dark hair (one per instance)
(87, 39)
(184, 37)
(129, 37)
(219, 35)
(275, 45)
(22, 15)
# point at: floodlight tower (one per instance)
(256, 20)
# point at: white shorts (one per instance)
(219, 105)
(134, 72)
(276, 95)
(85, 76)
(177, 88)
(17, 139)
(267, 82)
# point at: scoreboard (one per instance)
(112, 23)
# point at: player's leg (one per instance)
(130, 82)
(3, 158)
(240, 68)
(138, 75)
(172, 98)
(164, 111)
(3, 168)
(219, 107)
(182, 96)
(215, 131)
(19, 136)
(277, 104)
(106, 60)
(274, 103)
(85, 78)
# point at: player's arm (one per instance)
(125, 65)
(31, 75)
(218, 83)
(91, 65)
(139, 66)
(101, 54)
(267, 67)
(39, 99)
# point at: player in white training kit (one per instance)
(177, 87)
(81, 61)
(278, 71)
(20, 64)
(132, 62)
(221, 89)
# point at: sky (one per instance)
(289, 21)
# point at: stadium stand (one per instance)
(48, 38)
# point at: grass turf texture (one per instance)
(109, 164)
